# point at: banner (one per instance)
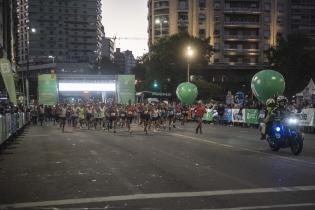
(7, 75)
(228, 115)
(238, 116)
(208, 116)
(251, 116)
(307, 117)
(47, 89)
(126, 89)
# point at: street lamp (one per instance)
(189, 54)
(52, 57)
(33, 30)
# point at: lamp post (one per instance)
(189, 54)
(33, 30)
(52, 57)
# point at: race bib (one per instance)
(113, 114)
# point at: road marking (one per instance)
(158, 196)
(242, 148)
(266, 207)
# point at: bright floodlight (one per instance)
(50, 56)
(33, 30)
(87, 87)
(157, 21)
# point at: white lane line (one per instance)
(266, 207)
(242, 148)
(158, 196)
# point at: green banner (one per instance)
(251, 116)
(208, 116)
(47, 89)
(7, 75)
(126, 89)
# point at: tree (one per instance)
(167, 62)
(294, 57)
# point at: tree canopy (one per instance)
(294, 57)
(167, 60)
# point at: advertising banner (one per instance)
(7, 75)
(47, 89)
(251, 116)
(228, 115)
(208, 116)
(126, 89)
(307, 117)
(238, 116)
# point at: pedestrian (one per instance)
(200, 110)
(62, 116)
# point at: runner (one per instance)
(199, 112)
(130, 114)
(62, 116)
(170, 116)
(112, 118)
(81, 111)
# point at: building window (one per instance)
(202, 4)
(267, 6)
(202, 18)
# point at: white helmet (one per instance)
(282, 99)
(270, 102)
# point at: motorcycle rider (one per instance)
(281, 109)
(265, 125)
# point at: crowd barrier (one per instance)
(254, 116)
(11, 124)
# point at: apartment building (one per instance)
(239, 30)
(58, 32)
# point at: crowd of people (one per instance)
(93, 115)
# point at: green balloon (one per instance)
(187, 92)
(267, 83)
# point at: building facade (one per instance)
(239, 30)
(108, 48)
(51, 31)
(302, 17)
(7, 29)
(125, 60)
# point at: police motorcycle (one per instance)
(284, 133)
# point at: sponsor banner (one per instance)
(208, 116)
(228, 115)
(7, 75)
(238, 116)
(126, 89)
(47, 89)
(251, 116)
(307, 117)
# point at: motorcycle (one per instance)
(285, 133)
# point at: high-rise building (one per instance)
(130, 61)
(302, 17)
(239, 30)
(108, 48)
(125, 60)
(57, 33)
(7, 29)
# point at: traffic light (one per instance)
(155, 86)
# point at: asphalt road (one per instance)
(224, 168)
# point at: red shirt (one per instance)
(200, 110)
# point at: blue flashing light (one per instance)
(278, 129)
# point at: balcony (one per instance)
(160, 7)
(231, 51)
(182, 22)
(241, 37)
(243, 10)
(242, 24)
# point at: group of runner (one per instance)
(112, 116)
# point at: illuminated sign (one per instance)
(87, 87)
